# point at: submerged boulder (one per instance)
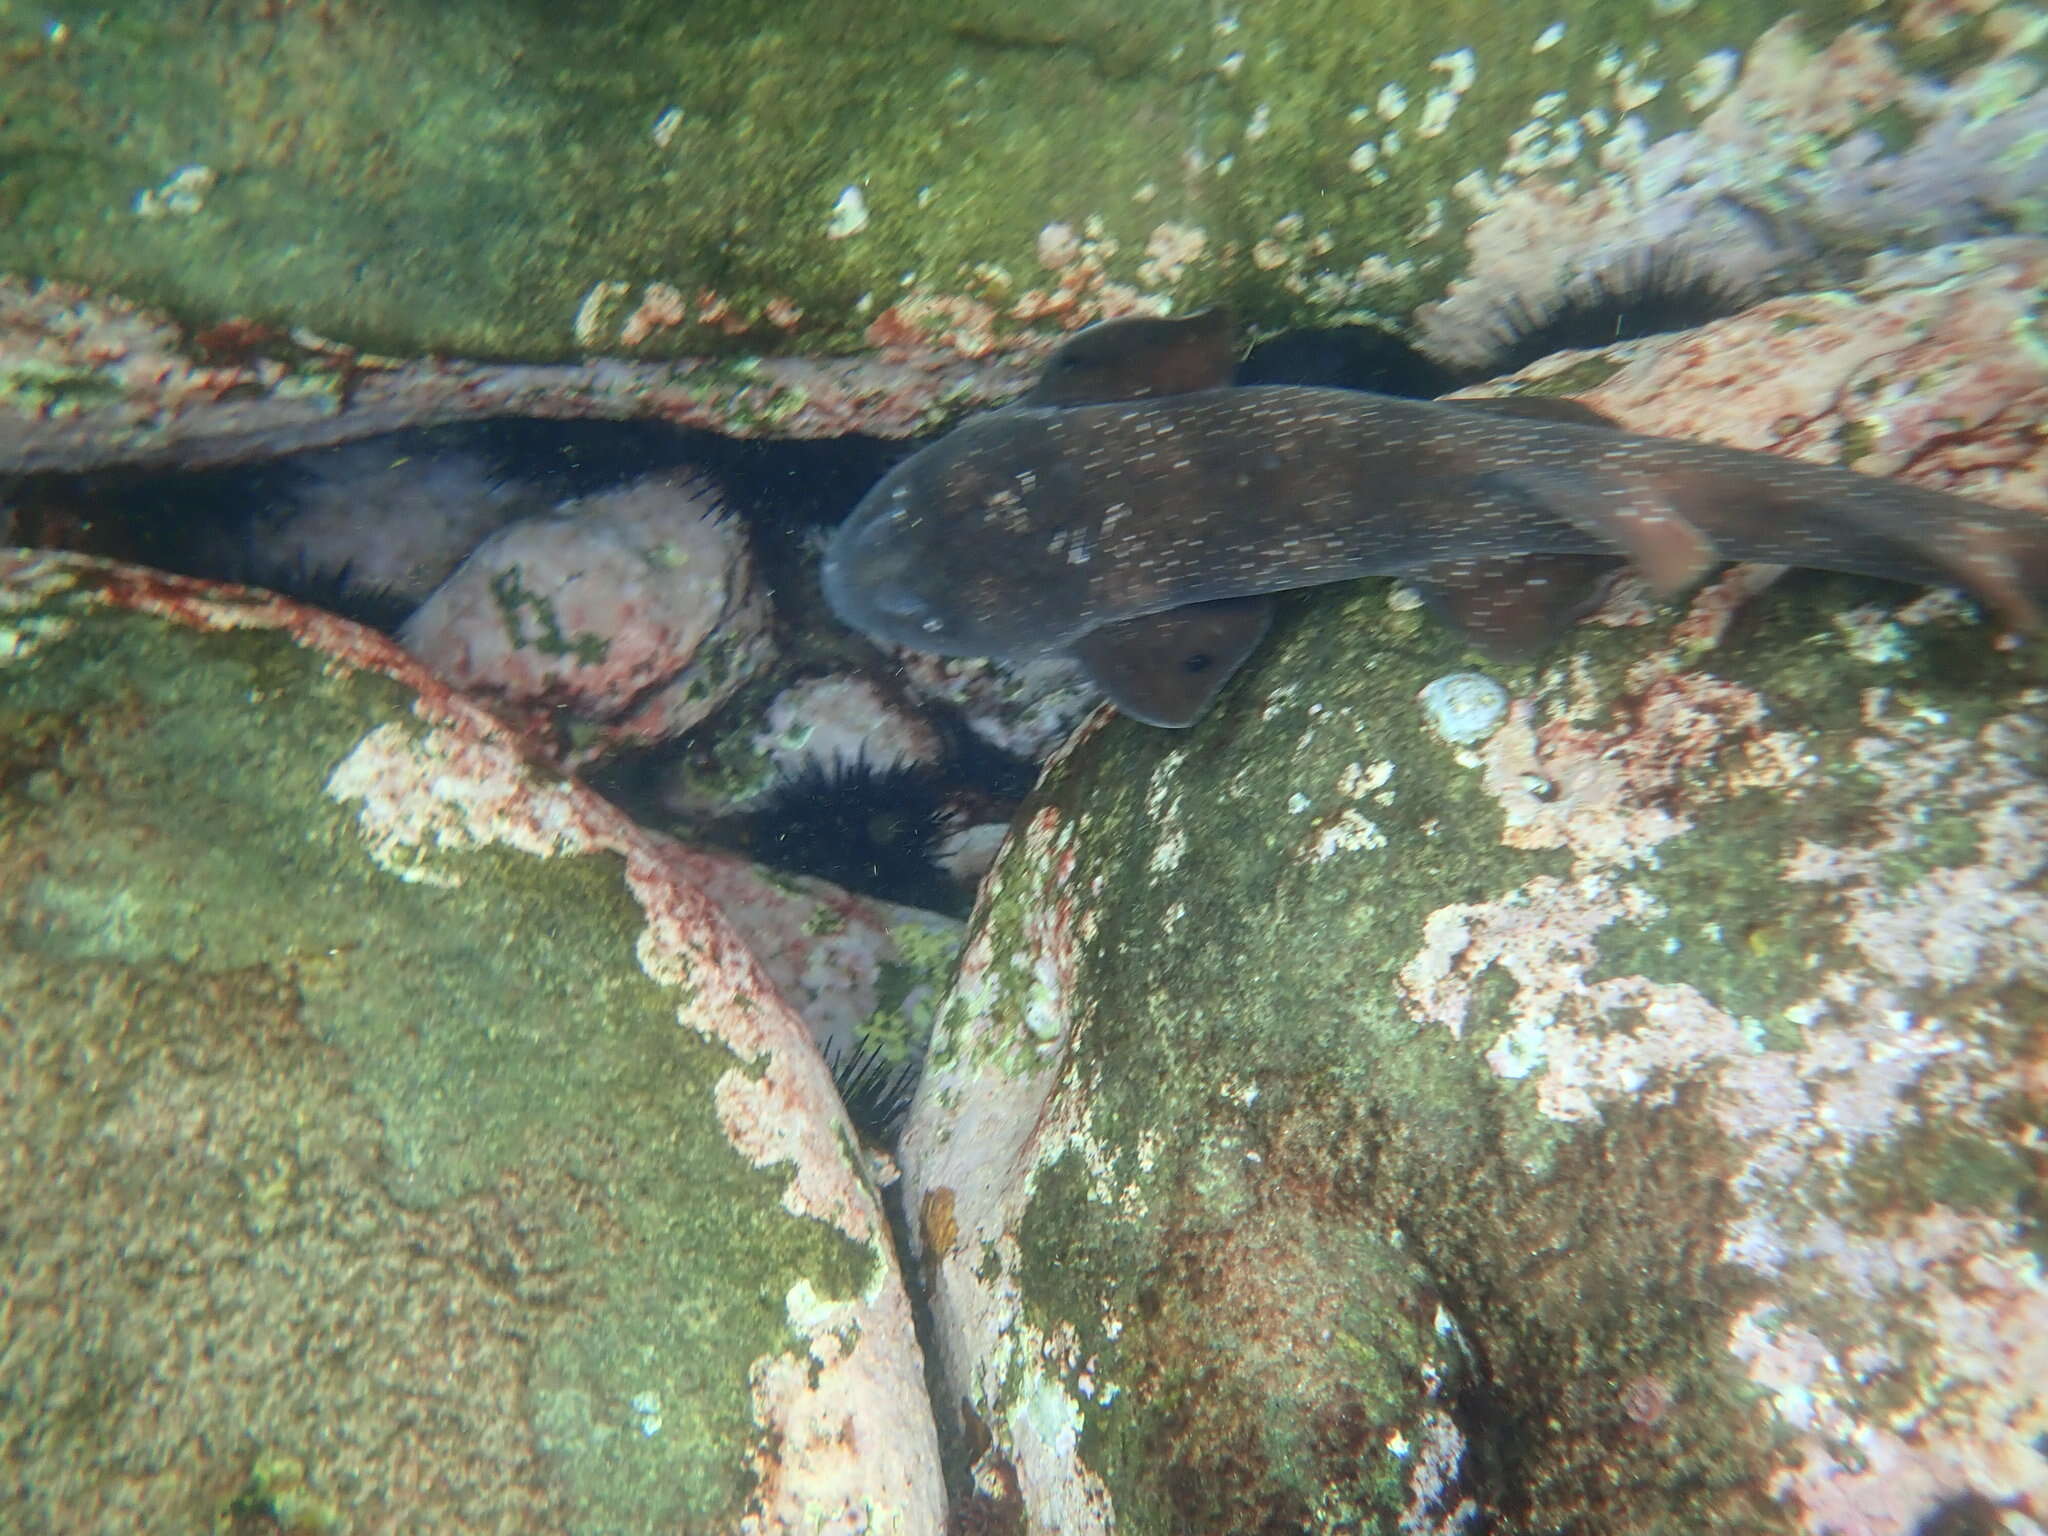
(395, 1134)
(1625, 1117)
(331, 200)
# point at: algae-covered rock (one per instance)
(236, 230)
(1630, 1121)
(493, 178)
(396, 1138)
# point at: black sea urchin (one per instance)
(875, 830)
(342, 591)
(1653, 293)
(875, 1087)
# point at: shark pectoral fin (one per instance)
(1513, 607)
(1998, 568)
(1164, 668)
(1139, 358)
(1630, 512)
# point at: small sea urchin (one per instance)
(875, 830)
(875, 1085)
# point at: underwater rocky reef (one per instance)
(515, 1018)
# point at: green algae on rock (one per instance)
(673, 193)
(1609, 1124)
(395, 1106)
(492, 179)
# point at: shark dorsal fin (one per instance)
(1139, 358)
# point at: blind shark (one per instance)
(1135, 512)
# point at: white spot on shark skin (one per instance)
(1357, 780)
(1632, 91)
(1548, 38)
(1392, 101)
(183, 194)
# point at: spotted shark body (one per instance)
(1136, 514)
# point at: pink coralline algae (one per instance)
(1610, 791)
(1938, 1307)
(1932, 366)
(1980, 923)
(89, 380)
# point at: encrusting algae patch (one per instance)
(485, 1106)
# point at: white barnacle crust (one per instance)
(1437, 108)
(1464, 707)
(1460, 67)
(1708, 81)
(849, 214)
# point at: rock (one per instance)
(623, 620)
(1924, 366)
(1342, 163)
(1630, 1124)
(1025, 709)
(396, 1134)
(969, 853)
(89, 380)
(1784, 158)
(841, 719)
(863, 974)
(1627, 1118)
(382, 523)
